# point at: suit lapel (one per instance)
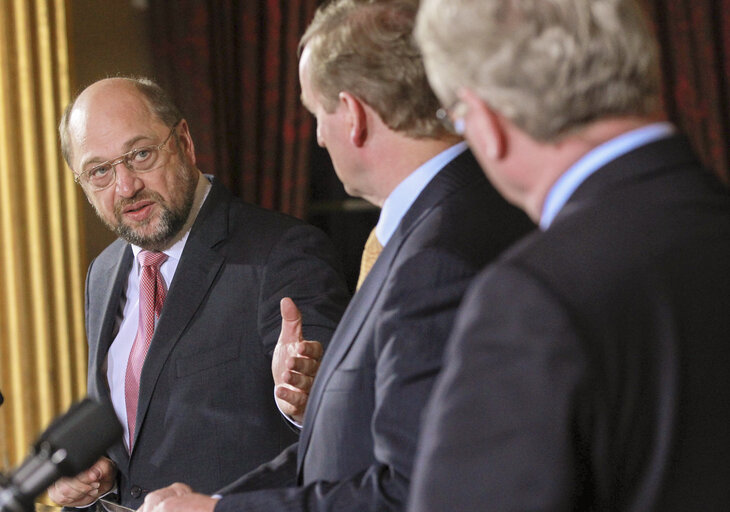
(195, 274)
(111, 284)
(461, 171)
(112, 288)
(347, 331)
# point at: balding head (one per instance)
(112, 126)
(110, 100)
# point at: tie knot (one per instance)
(152, 258)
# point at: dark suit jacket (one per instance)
(360, 430)
(206, 405)
(589, 369)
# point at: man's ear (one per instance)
(356, 118)
(186, 141)
(486, 126)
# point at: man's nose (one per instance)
(128, 182)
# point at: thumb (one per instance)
(291, 322)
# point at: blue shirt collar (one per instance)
(599, 156)
(404, 195)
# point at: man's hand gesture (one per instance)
(295, 363)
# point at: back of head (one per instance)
(549, 66)
(366, 47)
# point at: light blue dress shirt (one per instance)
(599, 156)
(405, 194)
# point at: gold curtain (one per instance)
(42, 341)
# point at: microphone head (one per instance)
(84, 433)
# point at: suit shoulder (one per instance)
(474, 220)
(619, 245)
(251, 222)
(256, 231)
(110, 254)
(241, 211)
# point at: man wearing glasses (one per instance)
(182, 312)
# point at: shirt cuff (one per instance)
(288, 418)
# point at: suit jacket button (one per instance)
(135, 491)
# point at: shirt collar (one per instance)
(408, 190)
(599, 156)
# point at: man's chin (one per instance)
(146, 237)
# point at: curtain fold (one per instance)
(694, 36)
(233, 69)
(42, 341)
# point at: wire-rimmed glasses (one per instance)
(452, 117)
(139, 160)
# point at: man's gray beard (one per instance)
(171, 220)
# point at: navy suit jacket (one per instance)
(589, 369)
(206, 407)
(358, 442)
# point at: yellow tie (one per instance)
(369, 255)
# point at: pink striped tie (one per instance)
(151, 297)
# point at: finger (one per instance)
(291, 322)
(189, 503)
(108, 475)
(102, 470)
(311, 349)
(58, 493)
(155, 498)
(300, 381)
(294, 400)
(69, 491)
(73, 488)
(303, 365)
(93, 474)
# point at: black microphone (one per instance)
(70, 445)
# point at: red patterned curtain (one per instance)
(231, 65)
(695, 40)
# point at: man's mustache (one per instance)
(142, 195)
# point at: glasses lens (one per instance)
(138, 160)
(143, 159)
(100, 176)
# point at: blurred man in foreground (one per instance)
(588, 369)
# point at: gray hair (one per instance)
(549, 66)
(158, 100)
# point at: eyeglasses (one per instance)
(455, 111)
(139, 160)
